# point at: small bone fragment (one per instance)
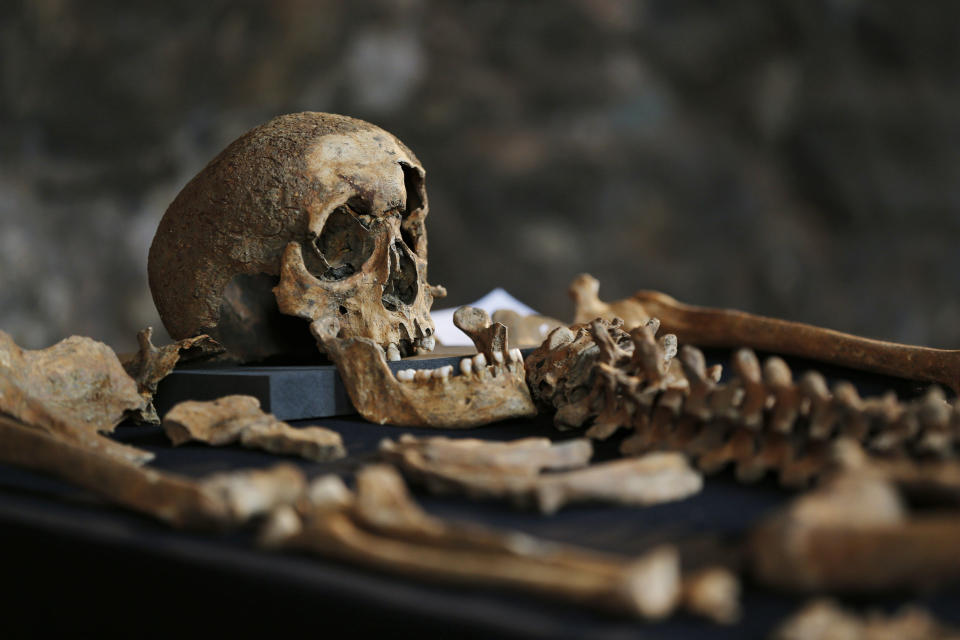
(385, 529)
(707, 327)
(74, 390)
(487, 394)
(216, 422)
(525, 331)
(825, 620)
(150, 364)
(239, 418)
(313, 443)
(713, 593)
(177, 501)
(258, 491)
(513, 470)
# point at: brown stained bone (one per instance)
(340, 199)
(727, 328)
(714, 593)
(239, 419)
(855, 533)
(525, 331)
(256, 492)
(513, 470)
(384, 529)
(480, 393)
(825, 620)
(177, 501)
(74, 390)
(152, 364)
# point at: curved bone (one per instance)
(489, 393)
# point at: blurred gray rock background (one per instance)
(799, 158)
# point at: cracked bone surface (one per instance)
(335, 203)
(826, 620)
(707, 327)
(513, 470)
(759, 420)
(485, 391)
(239, 418)
(855, 532)
(152, 364)
(74, 390)
(382, 527)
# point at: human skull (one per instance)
(335, 203)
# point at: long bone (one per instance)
(726, 328)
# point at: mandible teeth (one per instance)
(515, 355)
(466, 366)
(443, 373)
(405, 375)
(479, 361)
(393, 353)
(428, 343)
(422, 374)
(498, 357)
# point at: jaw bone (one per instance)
(491, 385)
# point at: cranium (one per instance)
(336, 203)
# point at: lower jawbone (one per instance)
(480, 393)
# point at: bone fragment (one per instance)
(74, 390)
(151, 364)
(313, 443)
(714, 593)
(482, 394)
(512, 470)
(177, 501)
(825, 620)
(489, 339)
(727, 328)
(239, 418)
(256, 492)
(384, 529)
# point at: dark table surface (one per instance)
(93, 567)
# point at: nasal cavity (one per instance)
(401, 286)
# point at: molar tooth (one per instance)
(393, 353)
(422, 374)
(466, 366)
(498, 357)
(479, 361)
(443, 372)
(515, 355)
(405, 375)
(428, 343)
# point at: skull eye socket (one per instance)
(411, 230)
(342, 247)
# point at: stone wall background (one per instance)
(799, 158)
